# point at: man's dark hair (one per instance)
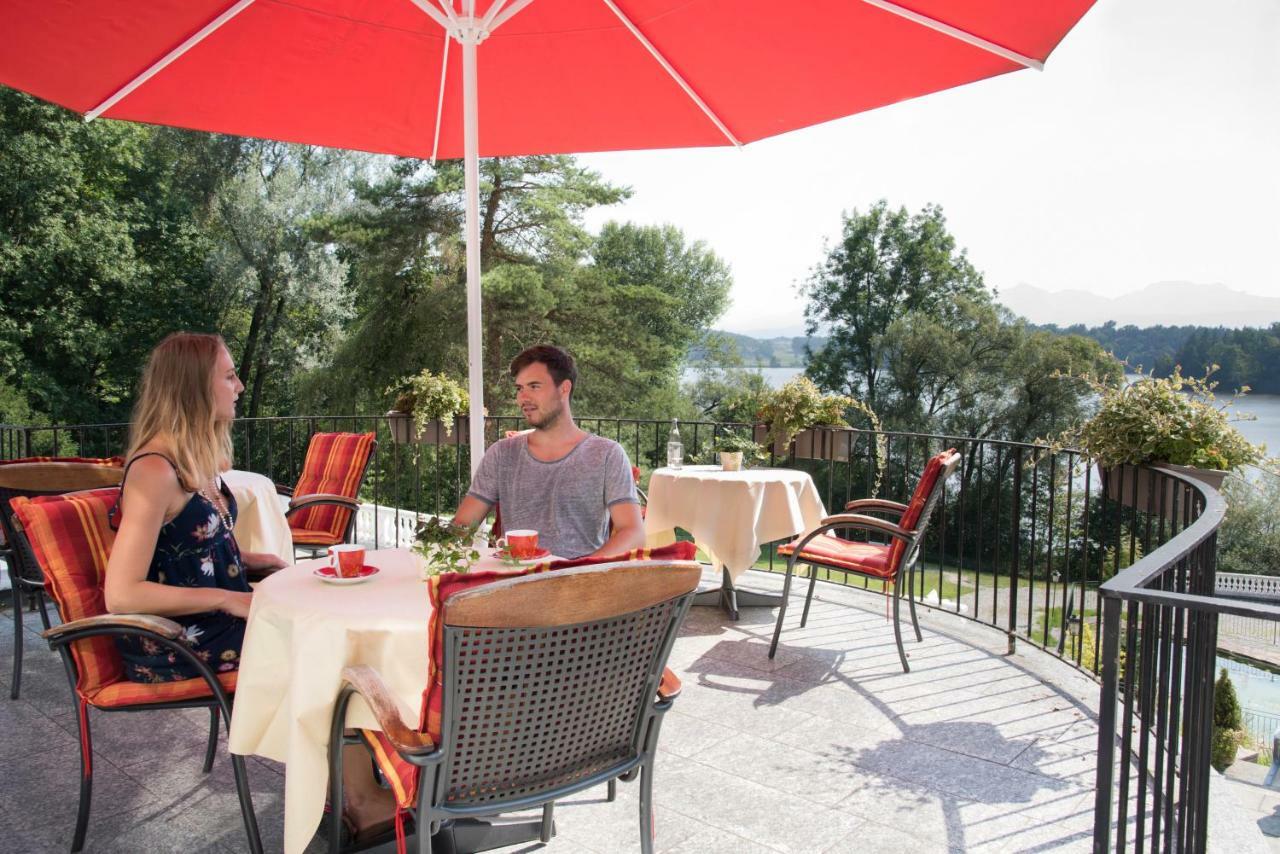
(559, 364)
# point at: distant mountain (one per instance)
(1159, 304)
(779, 352)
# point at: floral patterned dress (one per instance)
(194, 549)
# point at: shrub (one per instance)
(1228, 723)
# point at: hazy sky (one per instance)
(1145, 151)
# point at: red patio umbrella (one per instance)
(472, 78)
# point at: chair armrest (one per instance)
(282, 489)
(878, 504)
(369, 685)
(298, 502)
(867, 523)
(670, 686)
(162, 626)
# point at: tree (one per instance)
(1228, 725)
(102, 252)
(1249, 539)
(887, 264)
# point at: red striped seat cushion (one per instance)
(126, 693)
(830, 550)
(334, 465)
(402, 776)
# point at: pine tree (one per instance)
(1228, 724)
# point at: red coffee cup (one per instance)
(347, 560)
(520, 544)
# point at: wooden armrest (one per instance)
(857, 520)
(162, 626)
(879, 504)
(299, 501)
(369, 685)
(282, 489)
(670, 686)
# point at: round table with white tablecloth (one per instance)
(731, 514)
(260, 522)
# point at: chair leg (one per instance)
(911, 602)
(86, 779)
(335, 795)
(613, 784)
(246, 804)
(808, 597)
(782, 612)
(15, 685)
(646, 807)
(548, 822)
(213, 739)
(897, 627)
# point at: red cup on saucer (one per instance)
(521, 545)
(347, 560)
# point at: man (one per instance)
(574, 488)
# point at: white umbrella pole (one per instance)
(471, 161)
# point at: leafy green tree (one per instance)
(886, 265)
(1249, 539)
(102, 252)
(1228, 724)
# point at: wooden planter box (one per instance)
(815, 443)
(403, 432)
(1118, 484)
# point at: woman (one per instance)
(175, 553)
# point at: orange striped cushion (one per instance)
(71, 540)
(126, 693)
(315, 538)
(118, 462)
(830, 550)
(404, 776)
(918, 499)
(335, 464)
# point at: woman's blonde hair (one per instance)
(176, 404)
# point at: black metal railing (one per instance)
(1159, 639)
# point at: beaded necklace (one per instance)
(219, 505)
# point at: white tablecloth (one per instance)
(260, 525)
(731, 514)
(302, 632)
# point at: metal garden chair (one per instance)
(324, 502)
(541, 684)
(821, 548)
(70, 538)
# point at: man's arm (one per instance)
(470, 512)
(627, 531)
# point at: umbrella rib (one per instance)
(444, 69)
(957, 33)
(675, 75)
(169, 57)
(494, 20)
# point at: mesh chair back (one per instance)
(550, 678)
(335, 464)
(47, 476)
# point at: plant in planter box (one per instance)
(798, 406)
(1173, 420)
(428, 397)
(445, 547)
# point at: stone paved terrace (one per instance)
(829, 748)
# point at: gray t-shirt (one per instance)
(566, 501)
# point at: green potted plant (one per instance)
(799, 412)
(444, 547)
(1172, 421)
(426, 407)
(735, 449)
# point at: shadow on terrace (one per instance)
(990, 742)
